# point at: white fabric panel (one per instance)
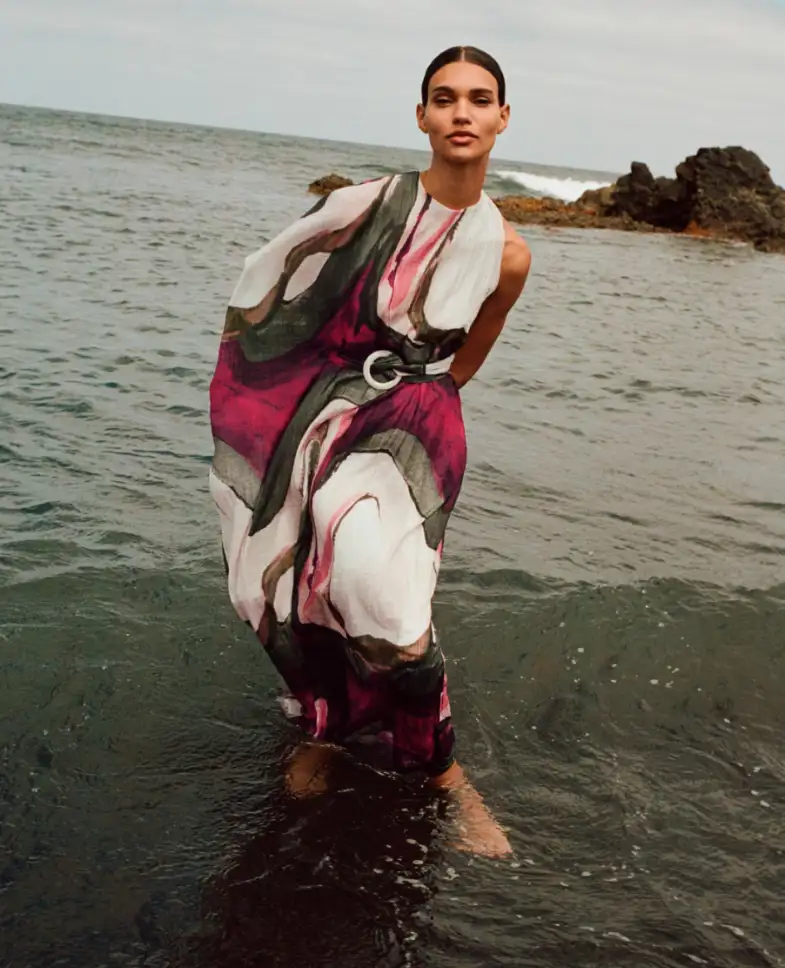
(383, 573)
(263, 268)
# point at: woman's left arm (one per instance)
(516, 260)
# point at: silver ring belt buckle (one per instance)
(371, 380)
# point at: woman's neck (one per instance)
(455, 186)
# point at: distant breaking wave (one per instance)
(566, 189)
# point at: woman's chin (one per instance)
(463, 154)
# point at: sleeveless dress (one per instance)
(340, 451)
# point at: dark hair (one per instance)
(473, 55)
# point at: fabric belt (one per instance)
(384, 369)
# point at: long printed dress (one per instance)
(340, 451)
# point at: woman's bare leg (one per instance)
(478, 831)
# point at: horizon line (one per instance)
(277, 134)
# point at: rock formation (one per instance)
(584, 214)
(327, 184)
(721, 193)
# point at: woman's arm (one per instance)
(516, 260)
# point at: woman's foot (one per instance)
(306, 771)
(478, 831)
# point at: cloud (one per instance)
(592, 85)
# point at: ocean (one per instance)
(612, 600)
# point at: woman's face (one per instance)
(463, 116)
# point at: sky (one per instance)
(591, 84)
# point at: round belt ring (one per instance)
(371, 380)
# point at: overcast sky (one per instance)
(592, 83)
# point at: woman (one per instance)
(339, 439)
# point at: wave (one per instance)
(565, 189)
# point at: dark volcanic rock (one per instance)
(658, 201)
(733, 193)
(327, 184)
(727, 192)
(671, 203)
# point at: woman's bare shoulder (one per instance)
(516, 257)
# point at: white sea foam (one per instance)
(566, 189)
